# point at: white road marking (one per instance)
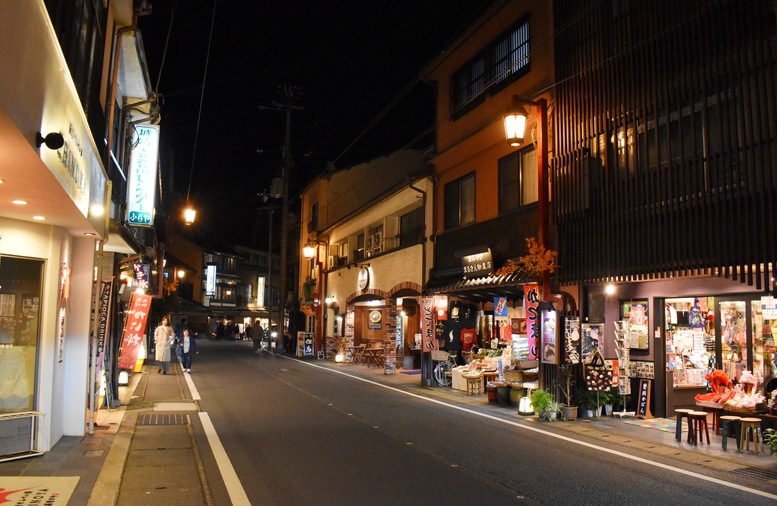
(557, 436)
(235, 489)
(192, 388)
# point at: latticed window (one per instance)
(507, 58)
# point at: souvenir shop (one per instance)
(678, 332)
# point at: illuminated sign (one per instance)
(210, 280)
(141, 183)
(478, 264)
(260, 292)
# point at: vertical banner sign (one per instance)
(103, 320)
(428, 340)
(142, 275)
(141, 182)
(500, 306)
(134, 330)
(531, 302)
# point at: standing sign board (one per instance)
(643, 406)
(134, 330)
(428, 339)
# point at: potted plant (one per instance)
(606, 399)
(770, 438)
(587, 400)
(544, 404)
(569, 408)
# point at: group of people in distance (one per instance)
(164, 340)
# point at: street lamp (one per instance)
(515, 129)
(188, 215)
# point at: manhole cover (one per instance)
(756, 472)
(163, 419)
(94, 453)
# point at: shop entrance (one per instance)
(701, 334)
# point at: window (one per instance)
(19, 332)
(506, 59)
(313, 223)
(411, 227)
(359, 253)
(460, 202)
(517, 180)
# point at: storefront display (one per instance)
(688, 342)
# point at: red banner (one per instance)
(531, 303)
(428, 339)
(134, 330)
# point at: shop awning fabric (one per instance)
(482, 288)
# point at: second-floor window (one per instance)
(411, 227)
(517, 180)
(460, 202)
(504, 60)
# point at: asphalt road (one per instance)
(298, 434)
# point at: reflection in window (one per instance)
(20, 282)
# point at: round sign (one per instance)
(364, 278)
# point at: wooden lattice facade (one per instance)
(664, 126)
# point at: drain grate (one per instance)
(756, 472)
(163, 419)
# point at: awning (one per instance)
(482, 288)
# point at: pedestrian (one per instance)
(188, 350)
(257, 334)
(163, 340)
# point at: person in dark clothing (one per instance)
(188, 349)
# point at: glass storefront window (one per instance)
(20, 287)
(733, 337)
(764, 351)
(689, 342)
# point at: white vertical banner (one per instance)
(141, 181)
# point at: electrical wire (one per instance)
(202, 96)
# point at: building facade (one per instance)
(69, 68)
(367, 257)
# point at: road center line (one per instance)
(557, 436)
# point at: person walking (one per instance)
(257, 335)
(163, 340)
(188, 350)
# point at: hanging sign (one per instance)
(500, 306)
(531, 303)
(134, 330)
(428, 339)
(141, 182)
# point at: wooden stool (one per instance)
(699, 420)
(753, 425)
(678, 429)
(474, 384)
(729, 426)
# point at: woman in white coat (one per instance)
(163, 339)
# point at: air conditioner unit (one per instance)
(377, 242)
(332, 262)
(342, 261)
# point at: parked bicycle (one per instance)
(443, 371)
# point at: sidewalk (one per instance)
(154, 459)
(145, 451)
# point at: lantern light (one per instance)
(515, 124)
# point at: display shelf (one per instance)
(622, 350)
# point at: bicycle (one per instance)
(443, 371)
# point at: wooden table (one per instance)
(375, 356)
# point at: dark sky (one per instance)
(349, 62)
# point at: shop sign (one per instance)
(549, 337)
(210, 280)
(141, 182)
(428, 340)
(104, 317)
(375, 320)
(478, 264)
(134, 330)
(141, 275)
(769, 308)
(500, 306)
(531, 302)
(364, 278)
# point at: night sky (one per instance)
(350, 63)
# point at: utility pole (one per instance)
(288, 163)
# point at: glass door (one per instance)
(735, 354)
(764, 335)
